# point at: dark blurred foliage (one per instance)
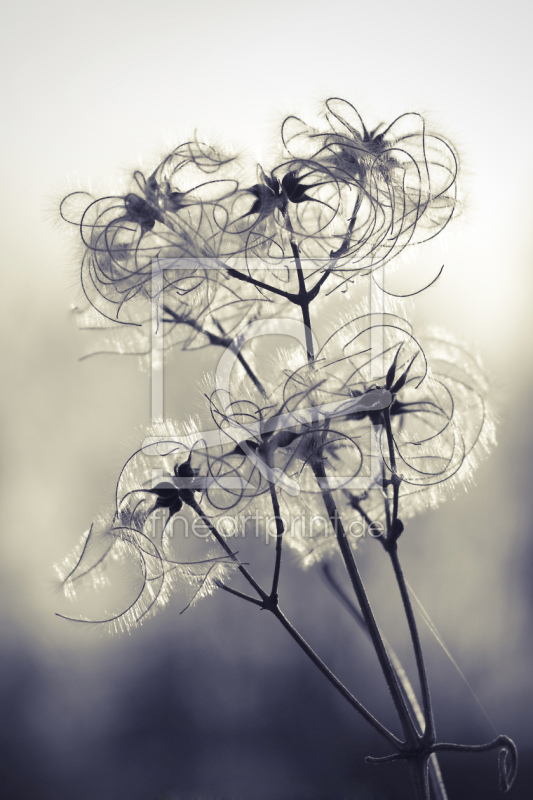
(215, 705)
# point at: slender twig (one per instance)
(429, 732)
(227, 549)
(303, 302)
(392, 456)
(388, 671)
(346, 241)
(241, 276)
(391, 546)
(501, 741)
(312, 293)
(507, 756)
(420, 776)
(336, 254)
(270, 604)
(242, 595)
(334, 680)
(218, 341)
(280, 528)
(405, 684)
(360, 592)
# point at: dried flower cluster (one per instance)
(369, 427)
(341, 202)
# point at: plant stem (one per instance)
(391, 546)
(241, 276)
(381, 729)
(227, 549)
(218, 341)
(507, 756)
(242, 595)
(360, 592)
(429, 731)
(435, 774)
(271, 604)
(303, 302)
(392, 456)
(280, 528)
(420, 776)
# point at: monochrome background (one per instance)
(218, 702)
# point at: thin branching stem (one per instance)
(280, 529)
(271, 604)
(218, 341)
(303, 302)
(435, 774)
(429, 731)
(366, 609)
(242, 595)
(392, 456)
(420, 776)
(391, 546)
(227, 549)
(381, 729)
(241, 276)
(312, 293)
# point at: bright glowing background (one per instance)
(94, 90)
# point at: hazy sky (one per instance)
(94, 90)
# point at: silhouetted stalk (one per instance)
(368, 615)
(227, 549)
(270, 603)
(391, 546)
(420, 776)
(279, 540)
(303, 302)
(218, 341)
(381, 729)
(435, 774)
(429, 730)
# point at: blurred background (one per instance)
(218, 702)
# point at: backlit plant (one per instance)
(364, 428)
